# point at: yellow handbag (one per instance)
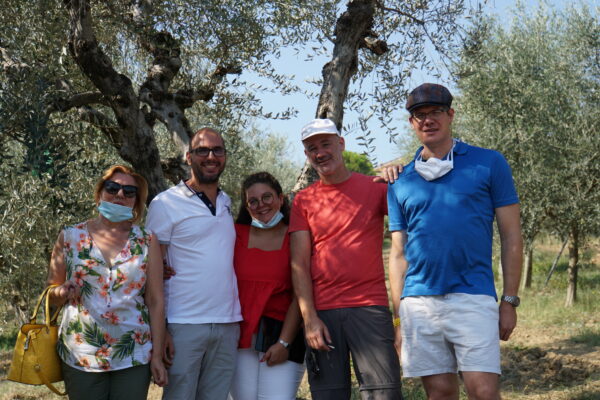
(35, 360)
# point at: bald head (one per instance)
(203, 132)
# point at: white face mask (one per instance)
(274, 221)
(435, 168)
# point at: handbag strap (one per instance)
(49, 319)
(38, 370)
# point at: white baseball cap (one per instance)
(319, 127)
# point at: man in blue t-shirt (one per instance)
(441, 214)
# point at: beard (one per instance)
(206, 178)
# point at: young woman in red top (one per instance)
(269, 335)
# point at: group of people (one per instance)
(213, 309)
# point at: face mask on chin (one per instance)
(115, 212)
(434, 168)
(273, 222)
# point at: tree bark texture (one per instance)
(132, 135)
(351, 29)
(132, 130)
(527, 267)
(573, 267)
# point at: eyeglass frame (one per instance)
(129, 191)
(262, 200)
(217, 149)
(433, 114)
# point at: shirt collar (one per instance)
(460, 148)
(185, 189)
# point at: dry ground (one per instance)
(553, 355)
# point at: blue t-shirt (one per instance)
(449, 222)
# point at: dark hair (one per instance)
(268, 179)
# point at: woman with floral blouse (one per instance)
(109, 273)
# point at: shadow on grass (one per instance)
(588, 337)
(534, 370)
(592, 395)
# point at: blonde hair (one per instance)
(142, 185)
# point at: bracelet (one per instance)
(396, 322)
(284, 343)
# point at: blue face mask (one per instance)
(115, 212)
(274, 221)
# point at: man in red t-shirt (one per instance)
(336, 238)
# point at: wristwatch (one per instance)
(284, 343)
(512, 300)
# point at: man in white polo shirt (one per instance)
(194, 226)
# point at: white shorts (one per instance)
(450, 333)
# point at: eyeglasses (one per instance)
(205, 151)
(266, 198)
(433, 114)
(113, 188)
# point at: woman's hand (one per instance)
(159, 372)
(66, 292)
(276, 354)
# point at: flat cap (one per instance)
(429, 94)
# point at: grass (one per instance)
(554, 353)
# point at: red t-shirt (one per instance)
(264, 283)
(346, 226)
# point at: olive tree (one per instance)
(531, 90)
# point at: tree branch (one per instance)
(102, 122)
(416, 20)
(77, 100)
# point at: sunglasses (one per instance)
(113, 188)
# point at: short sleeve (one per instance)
(298, 220)
(503, 190)
(158, 222)
(397, 220)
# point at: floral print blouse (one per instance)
(107, 328)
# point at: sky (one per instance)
(306, 70)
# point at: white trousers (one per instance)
(255, 380)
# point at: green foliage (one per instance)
(358, 163)
(530, 89)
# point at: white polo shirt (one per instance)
(200, 249)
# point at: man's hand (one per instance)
(168, 271)
(508, 320)
(317, 334)
(275, 354)
(389, 174)
(398, 340)
(169, 350)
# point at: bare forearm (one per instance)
(511, 253)
(397, 269)
(292, 321)
(303, 290)
(157, 324)
(512, 259)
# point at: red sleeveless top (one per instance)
(264, 283)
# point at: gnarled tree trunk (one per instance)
(352, 31)
(573, 267)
